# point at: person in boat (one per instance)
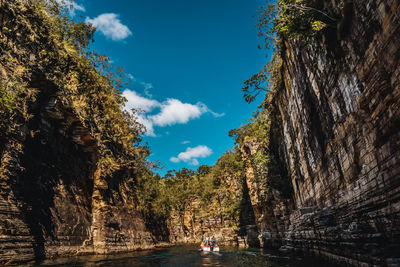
(214, 241)
(205, 242)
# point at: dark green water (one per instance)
(189, 256)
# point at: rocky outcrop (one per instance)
(49, 199)
(200, 219)
(193, 225)
(339, 110)
(66, 148)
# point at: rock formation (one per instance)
(318, 171)
(339, 113)
(57, 195)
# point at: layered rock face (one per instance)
(50, 201)
(200, 220)
(270, 206)
(340, 115)
(54, 198)
(192, 226)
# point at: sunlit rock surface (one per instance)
(340, 116)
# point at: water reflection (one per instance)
(186, 256)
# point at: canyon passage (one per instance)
(313, 178)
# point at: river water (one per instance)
(189, 256)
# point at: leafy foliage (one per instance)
(292, 19)
(216, 188)
(267, 80)
(256, 140)
(44, 55)
(284, 20)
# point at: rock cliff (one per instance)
(50, 202)
(58, 193)
(218, 205)
(339, 117)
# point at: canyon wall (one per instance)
(57, 195)
(51, 202)
(339, 117)
(193, 225)
(227, 215)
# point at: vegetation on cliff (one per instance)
(280, 22)
(292, 20)
(45, 55)
(216, 188)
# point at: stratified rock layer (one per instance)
(198, 220)
(57, 197)
(48, 200)
(340, 114)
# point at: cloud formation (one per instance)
(110, 26)
(71, 5)
(138, 102)
(191, 155)
(174, 111)
(169, 112)
(148, 125)
(185, 142)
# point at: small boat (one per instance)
(210, 248)
(209, 244)
(206, 248)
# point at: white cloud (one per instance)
(185, 142)
(172, 111)
(194, 162)
(147, 124)
(71, 5)
(191, 155)
(174, 159)
(215, 114)
(147, 86)
(143, 105)
(139, 102)
(110, 25)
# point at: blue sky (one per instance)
(188, 61)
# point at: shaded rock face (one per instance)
(340, 117)
(192, 226)
(201, 220)
(270, 208)
(47, 184)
